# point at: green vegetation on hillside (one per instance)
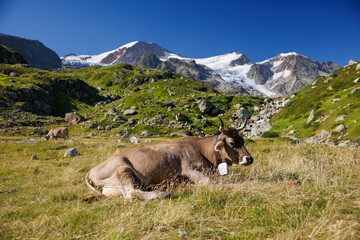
(331, 97)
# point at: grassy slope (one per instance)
(121, 80)
(258, 202)
(318, 96)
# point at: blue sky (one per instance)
(322, 30)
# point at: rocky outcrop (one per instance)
(34, 52)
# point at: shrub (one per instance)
(270, 135)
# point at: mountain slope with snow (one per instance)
(232, 73)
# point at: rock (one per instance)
(34, 157)
(238, 106)
(355, 90)
(215, 111)
(341, 118)
(206, 106)
(339, 129)
(145, 133)
(14, 74)
(352, 62)
(93, 125)
(260, 127)
(311, 116)
(74, 118)
(358, 66)
(119, 118)
(335, 100)
(181, 117)
(71, 152)
(243, 113)
(292, 132)
(129, 112)
(126, 136)
(183, 233)
(181, 133)
(134, 140)
(357, 79)
(112, 111)
(132, 121)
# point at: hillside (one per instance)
(334, 102)
(36, 54)
(114, 100)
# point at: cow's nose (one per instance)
(249, 159)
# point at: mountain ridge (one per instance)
(278, 76)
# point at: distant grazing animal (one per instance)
(129, 171)
(61, 132)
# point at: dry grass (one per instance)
(290, 192)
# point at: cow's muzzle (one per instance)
(247, 160)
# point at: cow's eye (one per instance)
(231, 143)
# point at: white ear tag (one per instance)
(223, 169)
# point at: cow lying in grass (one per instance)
(130, 170)
(61, 132)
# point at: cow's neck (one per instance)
(207, 149)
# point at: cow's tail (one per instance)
(91, 184)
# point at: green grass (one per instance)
(319, 96)
(290, 192)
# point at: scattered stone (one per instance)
(311, 116)
(355, 90)
(126, 136)
(238, 106)
(341, 118)
(93, 125)
(129, 112)
(181, 133)
(14, 74)
(357, 79)
(134, 140)
(34, 157)
(292, 132)
(181, 117)
(74, 118)
(335, 100)
(119, 118)
(183, 233)
(145, 133)
(132, 121)
(112, 111)
(243, 113)
(330, 88)
(339, 129)
(358, 66)
(72, 152)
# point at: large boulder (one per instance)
(74, 118)
(243, 113)
(206, 107)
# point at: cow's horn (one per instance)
(221, 129)
(243, 126)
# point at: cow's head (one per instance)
(230, 146)
(47, 137)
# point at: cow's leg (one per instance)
(196, 176)
(126, 182)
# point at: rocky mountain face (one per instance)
(34, 52)
(10, 56)
(288, 73)
(231, 73)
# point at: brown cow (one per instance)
(55, 133)
(129, 170)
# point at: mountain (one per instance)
(232, 73)
(327, 110)
(34, 52)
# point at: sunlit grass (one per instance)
(290, 192)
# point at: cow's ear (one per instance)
(219, 145)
